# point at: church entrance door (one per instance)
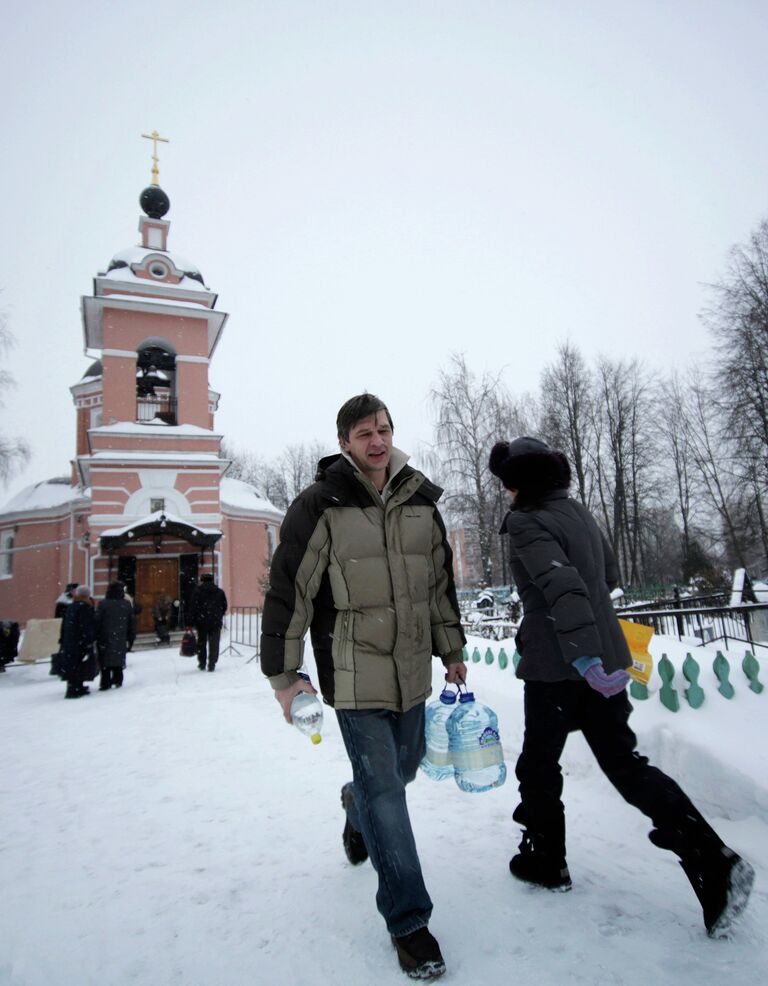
(155, 577)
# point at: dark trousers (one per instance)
(208, 646)
(554, 709)
(109, 677)
(385, 749)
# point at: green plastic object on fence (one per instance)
(722, 670)
(503, 659)
(751, 668)
(638, 690)
(464, 654)
(475, 656)
(516, 660)
(667, 694)
(489, 658)
(694, 693)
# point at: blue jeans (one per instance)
(385, 749)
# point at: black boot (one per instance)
(419, 955)
(720, 878)
(722, 882)
(534, 864)
(105, 680)
(354, 844)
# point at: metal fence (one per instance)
(746, 624)
(244, 625)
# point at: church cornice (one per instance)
(93, 314)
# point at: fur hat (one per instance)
(531, 467)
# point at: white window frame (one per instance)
(7, 539)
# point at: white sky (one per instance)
(370, 187)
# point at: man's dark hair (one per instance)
(207, 577)
(357, 408)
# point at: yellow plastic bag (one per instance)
(638, 637)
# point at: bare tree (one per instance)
(738, 320)
(566, 413)
(471, 414)
(14, 452)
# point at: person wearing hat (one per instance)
(574, 660)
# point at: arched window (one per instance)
(156, 384)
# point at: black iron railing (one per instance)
(149, 408)
(708, 625)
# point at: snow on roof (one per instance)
(158, 515)
(157, 454)
(45, 495)
(135, 255)
(127, 275)
(152, 299)
(242, 496)
(154, 427)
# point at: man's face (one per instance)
(370, 446)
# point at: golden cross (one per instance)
(154, 137)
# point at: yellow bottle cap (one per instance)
(317, 738)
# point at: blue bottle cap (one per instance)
(446, 697)
(467, 697)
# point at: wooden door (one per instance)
(155, 577)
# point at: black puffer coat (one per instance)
(77, 633)
(564, 570)
(115, 629)
(209, 604)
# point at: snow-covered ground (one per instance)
(178, 832)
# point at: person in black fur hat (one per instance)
(573, 660)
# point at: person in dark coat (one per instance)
(76, 642)
(64, 601)
(115, 633)
(161, 613)
(573, 660)
(209, 604)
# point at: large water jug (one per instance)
(437, 762)
(475, 746)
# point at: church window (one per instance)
(156, 504)
(158, 270)
(6, 556)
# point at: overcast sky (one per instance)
(372, 186)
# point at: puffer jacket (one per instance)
(563, 569)
(372, 580)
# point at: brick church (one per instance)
(147, 500)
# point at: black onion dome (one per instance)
(94, 370)
(154, 202)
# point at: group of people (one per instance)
(95, 638)
(365, 567)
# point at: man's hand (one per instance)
(286, 695)
(456, 673)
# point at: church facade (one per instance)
(147, 501)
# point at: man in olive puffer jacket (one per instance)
(364, 564)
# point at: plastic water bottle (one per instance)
(475, 746)
(307, 715)
(437, 762)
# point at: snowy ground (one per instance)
(178, 832)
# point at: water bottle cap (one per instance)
(316, 738)
(467, 697)
(446, 697)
